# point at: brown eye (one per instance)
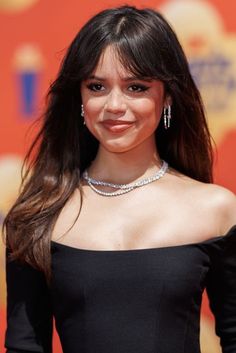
(96, 87)
(138, 88)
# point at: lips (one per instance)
(117, 122)
(117, 125)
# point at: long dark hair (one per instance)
(63, 148)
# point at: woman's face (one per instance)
(120, 110)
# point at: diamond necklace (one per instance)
(123, 188)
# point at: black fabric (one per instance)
(125, 301)
(29, 316)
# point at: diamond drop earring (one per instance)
(82, 113)
(167, 117)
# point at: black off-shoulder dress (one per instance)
(124, 301)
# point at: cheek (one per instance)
(93, 107)
(147, 109)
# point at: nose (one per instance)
(115, 102)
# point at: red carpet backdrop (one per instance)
(34, 37)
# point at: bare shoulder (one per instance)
(223, 204)
(214, 204)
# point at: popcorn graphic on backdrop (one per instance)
(28, 63)
(16, 5)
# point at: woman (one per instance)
(118, 229)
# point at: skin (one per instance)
(174, 210)
(113, 98)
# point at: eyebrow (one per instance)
(125, 79)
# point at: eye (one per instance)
(96, 87)
(138, 88)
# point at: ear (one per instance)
(167, 101)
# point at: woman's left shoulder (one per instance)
(222, 205)
(215, 205)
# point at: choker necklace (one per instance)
(123, 188)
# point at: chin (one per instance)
(117, 148)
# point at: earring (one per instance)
(167, 117)
(82, 113)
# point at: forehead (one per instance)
(110, 63)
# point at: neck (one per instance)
(125, 167)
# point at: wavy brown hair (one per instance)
(63, 148)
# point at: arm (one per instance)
(221, 290)
(29, 317)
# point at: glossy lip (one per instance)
(116, 125)
(116, 122)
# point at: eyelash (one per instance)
(139, 88)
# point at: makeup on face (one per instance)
(121, 110)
